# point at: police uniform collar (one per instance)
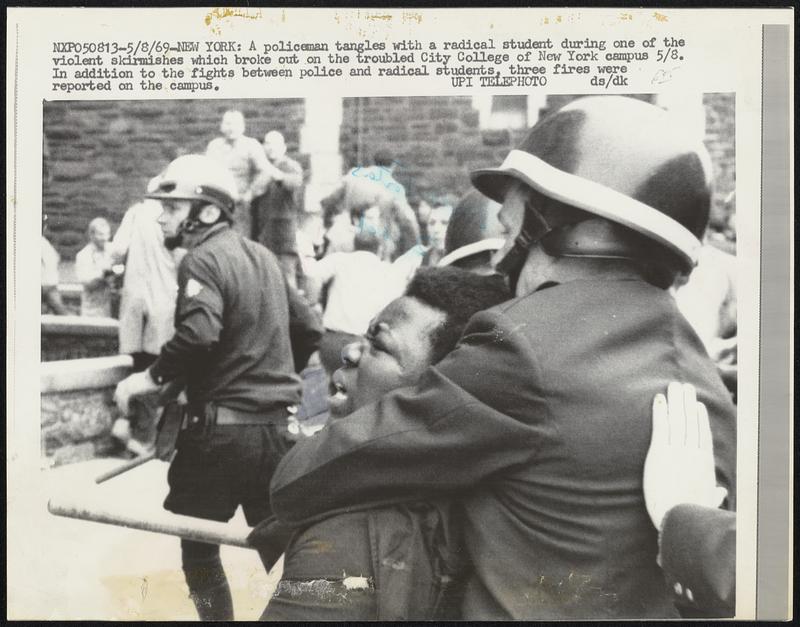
(213, 230)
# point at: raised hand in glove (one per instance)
(136, 384)
(679, 468)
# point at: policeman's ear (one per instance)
(209, 214)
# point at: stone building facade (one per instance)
(102, 153)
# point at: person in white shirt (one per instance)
(359, 285)
(93, 267)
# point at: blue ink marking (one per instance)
(381, 175)
(372, 230)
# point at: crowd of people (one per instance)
(492, 362)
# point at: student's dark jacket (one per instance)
(412, 552)
(543, 414)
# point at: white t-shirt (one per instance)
(360, 286)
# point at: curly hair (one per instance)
(458, 293)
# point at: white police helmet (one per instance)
(197, 178)
(615, 175)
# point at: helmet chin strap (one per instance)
(193, 224)
(171, 242)
(592, 238)
(190, 225)
(186, 227)
(534, 228)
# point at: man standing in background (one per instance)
(275, 211)
(245, 159)
(92, 265)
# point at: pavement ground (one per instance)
(79, 570)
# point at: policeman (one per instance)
(232, 347)
(540, 418)
(473, 234)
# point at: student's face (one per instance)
(395, 352)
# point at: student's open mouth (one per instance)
(338, 399)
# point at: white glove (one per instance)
(136, 384)
(679, 467)
(121, 430)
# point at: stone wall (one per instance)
(77, 337)
(77, 425)
(435, 140)
(77, 408)
(57, 347)
(103, 153)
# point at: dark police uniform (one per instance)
(232, 346)
(698, 556)
(541, 420)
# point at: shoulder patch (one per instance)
(193, 288)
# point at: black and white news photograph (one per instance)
(312, 346)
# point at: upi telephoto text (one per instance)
(197, 66)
